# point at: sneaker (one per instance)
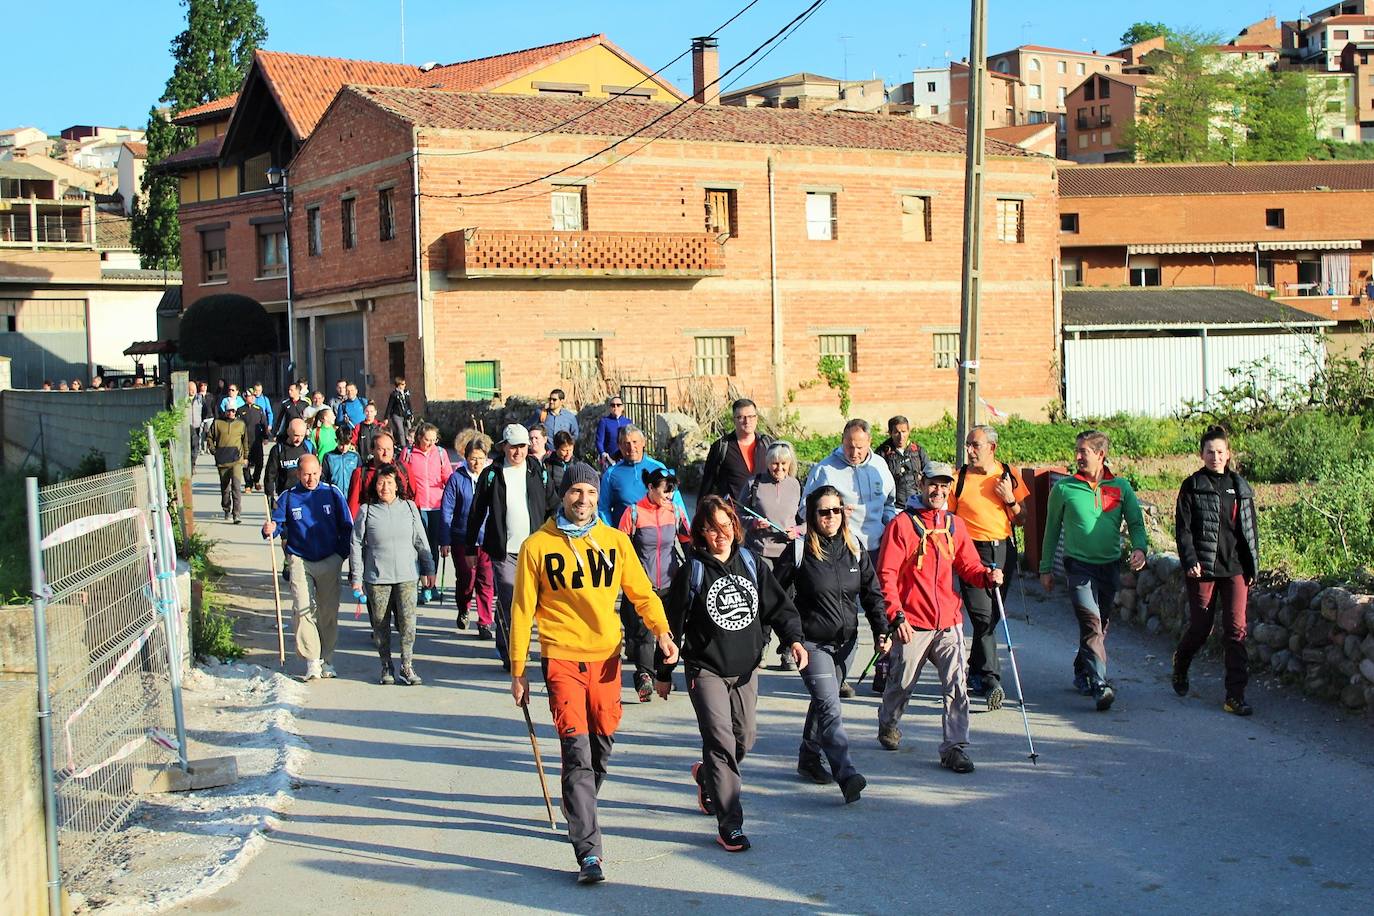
(1105, 695)
(590, 872)
(732, 840)
(705, 804)
(312, 670)
(846, 691)
(1180, 678)
(995, 696)
(786, 662)
(409, 677)
(327, 670)
(226, 516)
(957, 759)
(1080, 683)
(813, 770)
(852, 788)
(644, 686)
(387, 676)
(975, 684)
(460, 623)
(237, 520)
(890, 737)
(1238, 707)
(483, 632)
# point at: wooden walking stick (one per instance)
(276, 588)
(538, 762)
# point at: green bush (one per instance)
(212, 631)
(1300, 445)
(1329, 530)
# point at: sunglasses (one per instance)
(826, 513)
(617, 404)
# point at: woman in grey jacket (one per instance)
(389, 545)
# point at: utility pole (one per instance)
(970, 287)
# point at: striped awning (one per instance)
(1346, 245)
(1191, 248)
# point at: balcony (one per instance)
(1081, 122)
(1104, 120)
(34, 223)
(486, 253)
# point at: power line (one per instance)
(816, 4)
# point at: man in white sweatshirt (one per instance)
(863, 479)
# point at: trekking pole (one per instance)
(769, 523)
(538, 762)
(1015, 671)
(276, 588)
(868, 667)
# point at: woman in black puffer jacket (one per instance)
(1218, 546)
(831, 574)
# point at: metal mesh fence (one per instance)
(109, 681)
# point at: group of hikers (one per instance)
(602, 558)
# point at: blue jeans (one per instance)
(824, 731)
(1092, 587)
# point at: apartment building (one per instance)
(1004, 99)
(1102, 109)
(1049, 75)
(810, 92)
(739, 248)
(1324, 39)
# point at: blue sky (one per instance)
(112, 68)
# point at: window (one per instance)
(1369, 34)
(820, 216)
(1333, 106)
(1273, 218)
(1035, 65)
(215, 256)
(348, 212)
(1061, 66)
(1332, 84)
(946, 345)
(1003, 66)
(314, 233)
(1338, 133)
(1068, 222)
(483, 379)
(1106, 138)
(721, 216)
(1080, 69)
(272, 250)
(396, 358)
(1082, 141)
(1104, 89)
(1341, 34)
(1010, 222)
(1063, 96)
(1071, 272)
(930, 87)
(569, 205)
(935, 109)
(1145, 270)
(915, 218)
(1036, 92)
(1090, 91)
(843, 346)
(386, 214)
(579, 357)
(715, 356)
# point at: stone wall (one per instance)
(1318, 638)
(73, 423)
(23, 850)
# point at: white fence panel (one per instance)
(1137, 375)
(1293, 357)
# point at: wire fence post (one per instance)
(169, 601)
(40, 651)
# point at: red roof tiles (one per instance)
(200, 154)
(1208, 178)
(223, 104)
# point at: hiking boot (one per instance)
(1080, 683)
(705, 804)
(483, 632)
(312, 670)
(590, 872)
(460, 623)
(732, 840)
(1180, 677)
(975, 684)
(890, 737)
(995, 696)
(409, 677)
(644, 686)
(327, 670)
(814, 771)
(846, 691)
(852, 788)
(957, 759)
(1105, 695)
(387, 677)
(237, 520)
(786, 662)
(1237, 707)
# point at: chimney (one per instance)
(705, 71)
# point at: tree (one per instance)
(212, 54)
(226, 329)
(1185, 105)
(1143, 31)
(1281, 114)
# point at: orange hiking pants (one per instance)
(584, 698)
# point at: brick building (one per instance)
(741, 245)
(1101, 110)
(1296, 232)
(1049, 75)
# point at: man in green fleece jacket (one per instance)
(1087, 510)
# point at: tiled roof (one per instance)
(1159, 307)
(203, 152)
(1235, 49)
(1344, 20)
(113, 232)
(707, 123)
(1043, 49)
(1209, 178)
(489, 72)
(127, 274)
(139, 150)
(1020, 133)
(221, 105)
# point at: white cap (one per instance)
(515, 434)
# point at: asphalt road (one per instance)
(425, 799)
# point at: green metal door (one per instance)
(483, 380)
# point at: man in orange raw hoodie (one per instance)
(568, 579)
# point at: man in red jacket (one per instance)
(918, 549)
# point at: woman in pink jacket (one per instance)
(430, 470)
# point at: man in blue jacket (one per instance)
(622, 484)
(316, 528)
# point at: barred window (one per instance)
(946, 350)
(1011, 224)
(569, 209)
(348, 216)
(843, 346)
(313, 231)
(821, 216)
(579, 357)
(386, 214)
(715, 356)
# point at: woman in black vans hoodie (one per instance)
(718, 602)
(831, 574)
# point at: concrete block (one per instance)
(203, 774)
(23, 845)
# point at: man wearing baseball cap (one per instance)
(569, 576)
(513, 497)
(918, 549)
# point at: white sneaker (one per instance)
(313, 670)
(327, 670)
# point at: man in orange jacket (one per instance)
(918, 549)
(568, 579)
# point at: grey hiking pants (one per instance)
(946, 649)
(725, 709)
(824, 732)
